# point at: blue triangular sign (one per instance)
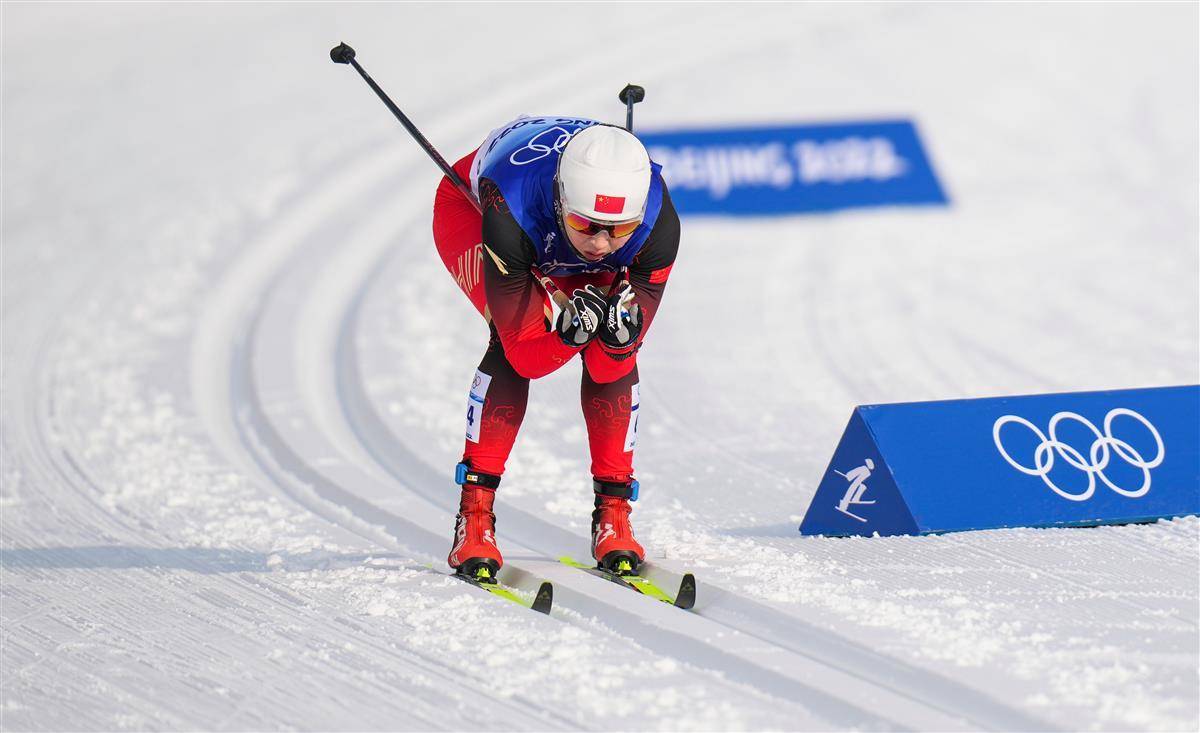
(857, 495)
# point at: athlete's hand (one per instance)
(622, 319)
(583, 318)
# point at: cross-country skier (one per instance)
(580, 203)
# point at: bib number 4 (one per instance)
(475, 400)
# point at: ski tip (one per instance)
(544, 599)
(686, 597)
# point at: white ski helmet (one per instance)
(604, 174)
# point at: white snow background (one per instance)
(234, 372)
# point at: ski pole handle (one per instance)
(560, 298)
(629, 96)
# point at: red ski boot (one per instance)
(475, 553)
(613, 544)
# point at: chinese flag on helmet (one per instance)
(610, 204)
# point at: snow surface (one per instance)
(234, 372)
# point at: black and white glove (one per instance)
(622, 319)
(583, 316)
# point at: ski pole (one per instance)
(343, 54)
(629, 96)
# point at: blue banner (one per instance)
(1072, 459)
(799, 168)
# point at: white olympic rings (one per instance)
(1098, 455)
(536, 148)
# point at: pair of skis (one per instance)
(683, 598)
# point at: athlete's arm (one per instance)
(648, 275)
(515, 302)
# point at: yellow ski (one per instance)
(542, 601)
(684, 597)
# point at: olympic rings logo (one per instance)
(1102, 450)
(536, 148)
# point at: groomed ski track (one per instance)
(205, 376)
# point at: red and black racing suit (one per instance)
(524, 344)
